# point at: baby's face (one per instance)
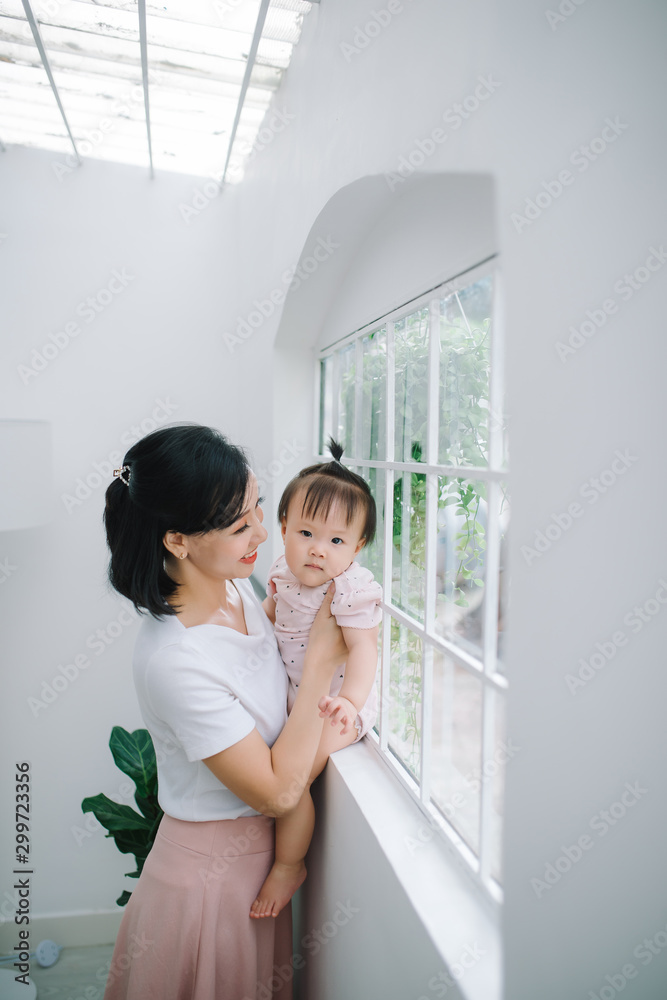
(318, 549)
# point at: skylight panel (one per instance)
(197, 56)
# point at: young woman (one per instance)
(183, 523)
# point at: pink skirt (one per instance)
(186, 933)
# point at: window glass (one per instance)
(412, 401)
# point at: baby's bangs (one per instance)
(325, 492)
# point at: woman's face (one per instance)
(230, 553)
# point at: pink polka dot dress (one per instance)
(356, 604)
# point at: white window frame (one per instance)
(485, 669)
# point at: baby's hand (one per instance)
(340, 710)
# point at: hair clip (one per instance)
(119, 473)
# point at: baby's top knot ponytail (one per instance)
(335, 449)
(327, 483)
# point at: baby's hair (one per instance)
(329, 483)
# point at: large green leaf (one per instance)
(134, 754)
(132, 832)
(149, 807)
(132, 842)
(113, 815)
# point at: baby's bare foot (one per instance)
(280, 885)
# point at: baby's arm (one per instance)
(360, 668)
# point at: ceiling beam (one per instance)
(34, 27)
(252, 54)
(144, 73)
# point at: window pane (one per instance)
(374, 395)
(404, 736)
(372, 555)
(498, 778)
(411, 365)
(346, 390)
(409, 535)
(378, 682)
(456, 746)
(503, 576)
(470, 518)
(326, 402)
(464, 375)
(461, 549)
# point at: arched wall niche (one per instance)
(377, 243)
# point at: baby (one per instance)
(327, 515)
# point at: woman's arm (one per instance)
(272, 779)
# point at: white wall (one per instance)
(557, 85)
(152, 356)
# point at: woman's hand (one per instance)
(326, 646)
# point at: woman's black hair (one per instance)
(329, 483)
(185, 478)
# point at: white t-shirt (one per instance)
(200, 690)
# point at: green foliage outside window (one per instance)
(463, 433)
(462, 331)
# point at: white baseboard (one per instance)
(70, 930)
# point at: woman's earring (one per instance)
(182, 556)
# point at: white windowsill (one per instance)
(457, 918)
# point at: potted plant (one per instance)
(133, 832)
